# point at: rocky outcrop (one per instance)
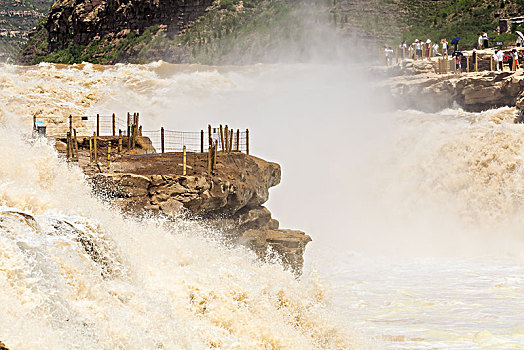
(2, 346)
(80, 22)
(428, 91)
(106, 31)
(288, 244)
(230, 200)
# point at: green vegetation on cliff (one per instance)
(17, 18)
(246, 31)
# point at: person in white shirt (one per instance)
(496, 59)
(500, 59)
(444, 48)
(435, 49)
(480, 42)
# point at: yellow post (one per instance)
(476, 62)
(491, 63)
(184, 161)
(209, 160)
(90, 150)
(215, 155)
(119, 141)
(75, 144)
(226, 137)
(95, 151)
(108, 156)
(222, 136)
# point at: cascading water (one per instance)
(74, 273)
(415, 218)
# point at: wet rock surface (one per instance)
(230, 199)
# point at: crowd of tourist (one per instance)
(420, 50)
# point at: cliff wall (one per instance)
(229, 200)
(417, 85)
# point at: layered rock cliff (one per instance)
(417, 85)
(229, 200)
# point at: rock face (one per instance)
(230, 200)
(81, 21)
(422, 88)
(2, 346)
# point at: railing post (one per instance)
(34, 122)
(201, 141)
(95, 150)
(209, 160)
(98, 124)
(140, 130)
(222, 136)
(75, 144)
(247, 141)
(129, 126)
(162, 139)
(90, 150)
(231, 141)
(215, 155)
(113, 122)
(119, 141)
(238, 140)
(108, 156)
(467, 64)
(68, 148)
(209, 135)
(70, 124)
(184, 161)
(226, 139)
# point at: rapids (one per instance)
(416, 218)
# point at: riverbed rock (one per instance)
(288, 244)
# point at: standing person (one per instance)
(508, 57)
(455, 43)
(515, 59)
(457, 56)
(402, 49)
(435, 49)
(500, 59)
(411, 51)
(480, 42)
(496, 59)
(428, 48)
(444, 48)
(485, 39)
(389, 55)
(418, 48)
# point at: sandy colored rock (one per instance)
(288, 244)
